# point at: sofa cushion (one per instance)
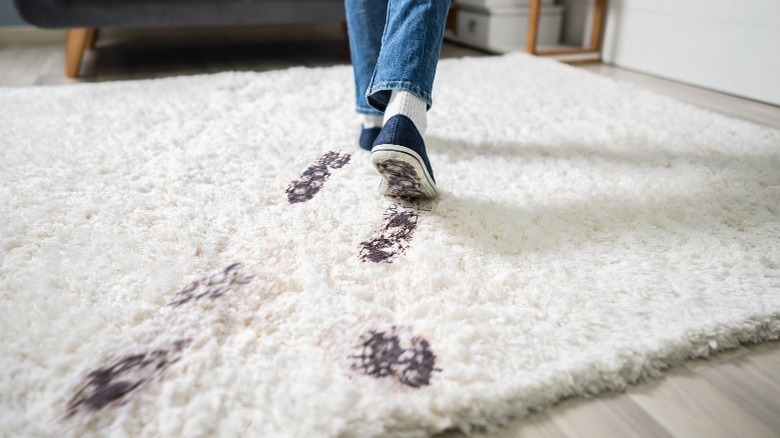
(175, 13)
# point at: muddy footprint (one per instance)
(113, 383)
(158, 343)
(395, 353)
(313, 178)
(393, 237)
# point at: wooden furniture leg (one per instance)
(597, 31)
(77, 40)
(533, 26)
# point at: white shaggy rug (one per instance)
(208, 255)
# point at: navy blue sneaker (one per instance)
(399, 155)
(367, 137)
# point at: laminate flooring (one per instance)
(733, 394)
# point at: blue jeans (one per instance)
(395, 45)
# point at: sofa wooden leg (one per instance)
(77, 41)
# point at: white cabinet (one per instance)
(502, 25)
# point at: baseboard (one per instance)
(31, 35)
(577, 57)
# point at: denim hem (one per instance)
(379, 100)
(369, 111)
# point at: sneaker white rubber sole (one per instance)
(404, 172)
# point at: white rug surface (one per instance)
(208, 255)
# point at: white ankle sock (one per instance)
(370, 121)
(406, 103)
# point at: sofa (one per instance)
(83, 18)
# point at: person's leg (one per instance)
(411, 43)
(401, 87)
(365, 25)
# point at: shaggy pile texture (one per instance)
(208, 255)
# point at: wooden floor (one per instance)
(734, 394)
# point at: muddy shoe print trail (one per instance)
(313, 178)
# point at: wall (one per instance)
(725, 45)
(8, 15)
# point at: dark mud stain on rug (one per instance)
(313, 178)
(381, 354)
(213, 286)
(113, 383)
(393, 237)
